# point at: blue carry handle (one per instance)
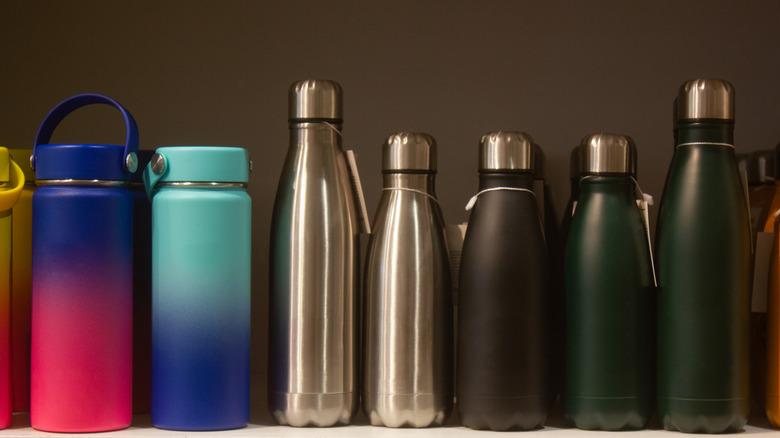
(67, 106)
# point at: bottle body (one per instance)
(142, 300)
(313, 284)
(408, 310)
(201, 308)
(503, 312)
(703, 250)
(609, 308)
(81, 344)
(21, 289)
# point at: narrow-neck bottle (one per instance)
(313, 268)
(609, 293)
(704, 259)
(408, 311)
(503, 314)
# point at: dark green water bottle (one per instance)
(609, 293)
(703, 249)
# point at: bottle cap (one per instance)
(607, 154)
(409, 151)
(761, 167)
(315, 99)
(506, 150)
(11, 180)
(705, 99)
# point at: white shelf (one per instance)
(143, 429)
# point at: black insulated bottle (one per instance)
(503, 342)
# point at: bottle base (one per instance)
(704, 415)
(773, 410)
(408, 410)
(607, 413)
(503, 413)
(189, 427)
(312, 410)
(43, 427)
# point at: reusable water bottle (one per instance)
(82, 296)
(609, 293)
(409, 315)
(504, 303)
(201, 250)
(11, 187)
(21, 284)
(703, 249)
(313, 268)
(772, 332)
(142, 289)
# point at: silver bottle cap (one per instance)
(506, 150)
(409, 151)
(705, 99)
(315, 99)
(607, 154)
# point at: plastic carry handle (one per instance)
(9, 197)
(67, 106)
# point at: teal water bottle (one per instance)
(704, 257)
(609, 293)
(201, 265)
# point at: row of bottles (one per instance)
(117, 279)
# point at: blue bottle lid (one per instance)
(106, 162)
(197, 164)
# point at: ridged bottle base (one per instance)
(409, 410)
(503, 413)
(603, 413)
(307, 410)
(704, 416)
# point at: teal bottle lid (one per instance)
(199, 166)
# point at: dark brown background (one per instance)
(216, 73)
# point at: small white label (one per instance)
(357, 190)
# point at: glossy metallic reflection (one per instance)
(314, 280)
(607, 153)
(408, 319)
(506, 150)
(705, 99)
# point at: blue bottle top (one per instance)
(84, 161)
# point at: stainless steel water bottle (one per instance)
(609, 293)
(82, 281)
(505, 341)
(313, 267)
(704, 256)
(408, 314)
(201, 269)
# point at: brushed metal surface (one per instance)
(507, 150)
(408, 375)
(705, 99)
(607, 153)
(410, 151)
(314, 280)
(315, 99)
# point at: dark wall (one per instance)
(217, 72)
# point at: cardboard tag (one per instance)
(455, 235)
(763, 257)
(357, 190)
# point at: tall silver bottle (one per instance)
(314, 272)
(409, 315)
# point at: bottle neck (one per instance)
(423, 182)
(314, 134)
(709, 131)
(520, 180)
(621, 185)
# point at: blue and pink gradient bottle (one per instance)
(82, 291)
(201, 265)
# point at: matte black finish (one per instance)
(503, 339)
